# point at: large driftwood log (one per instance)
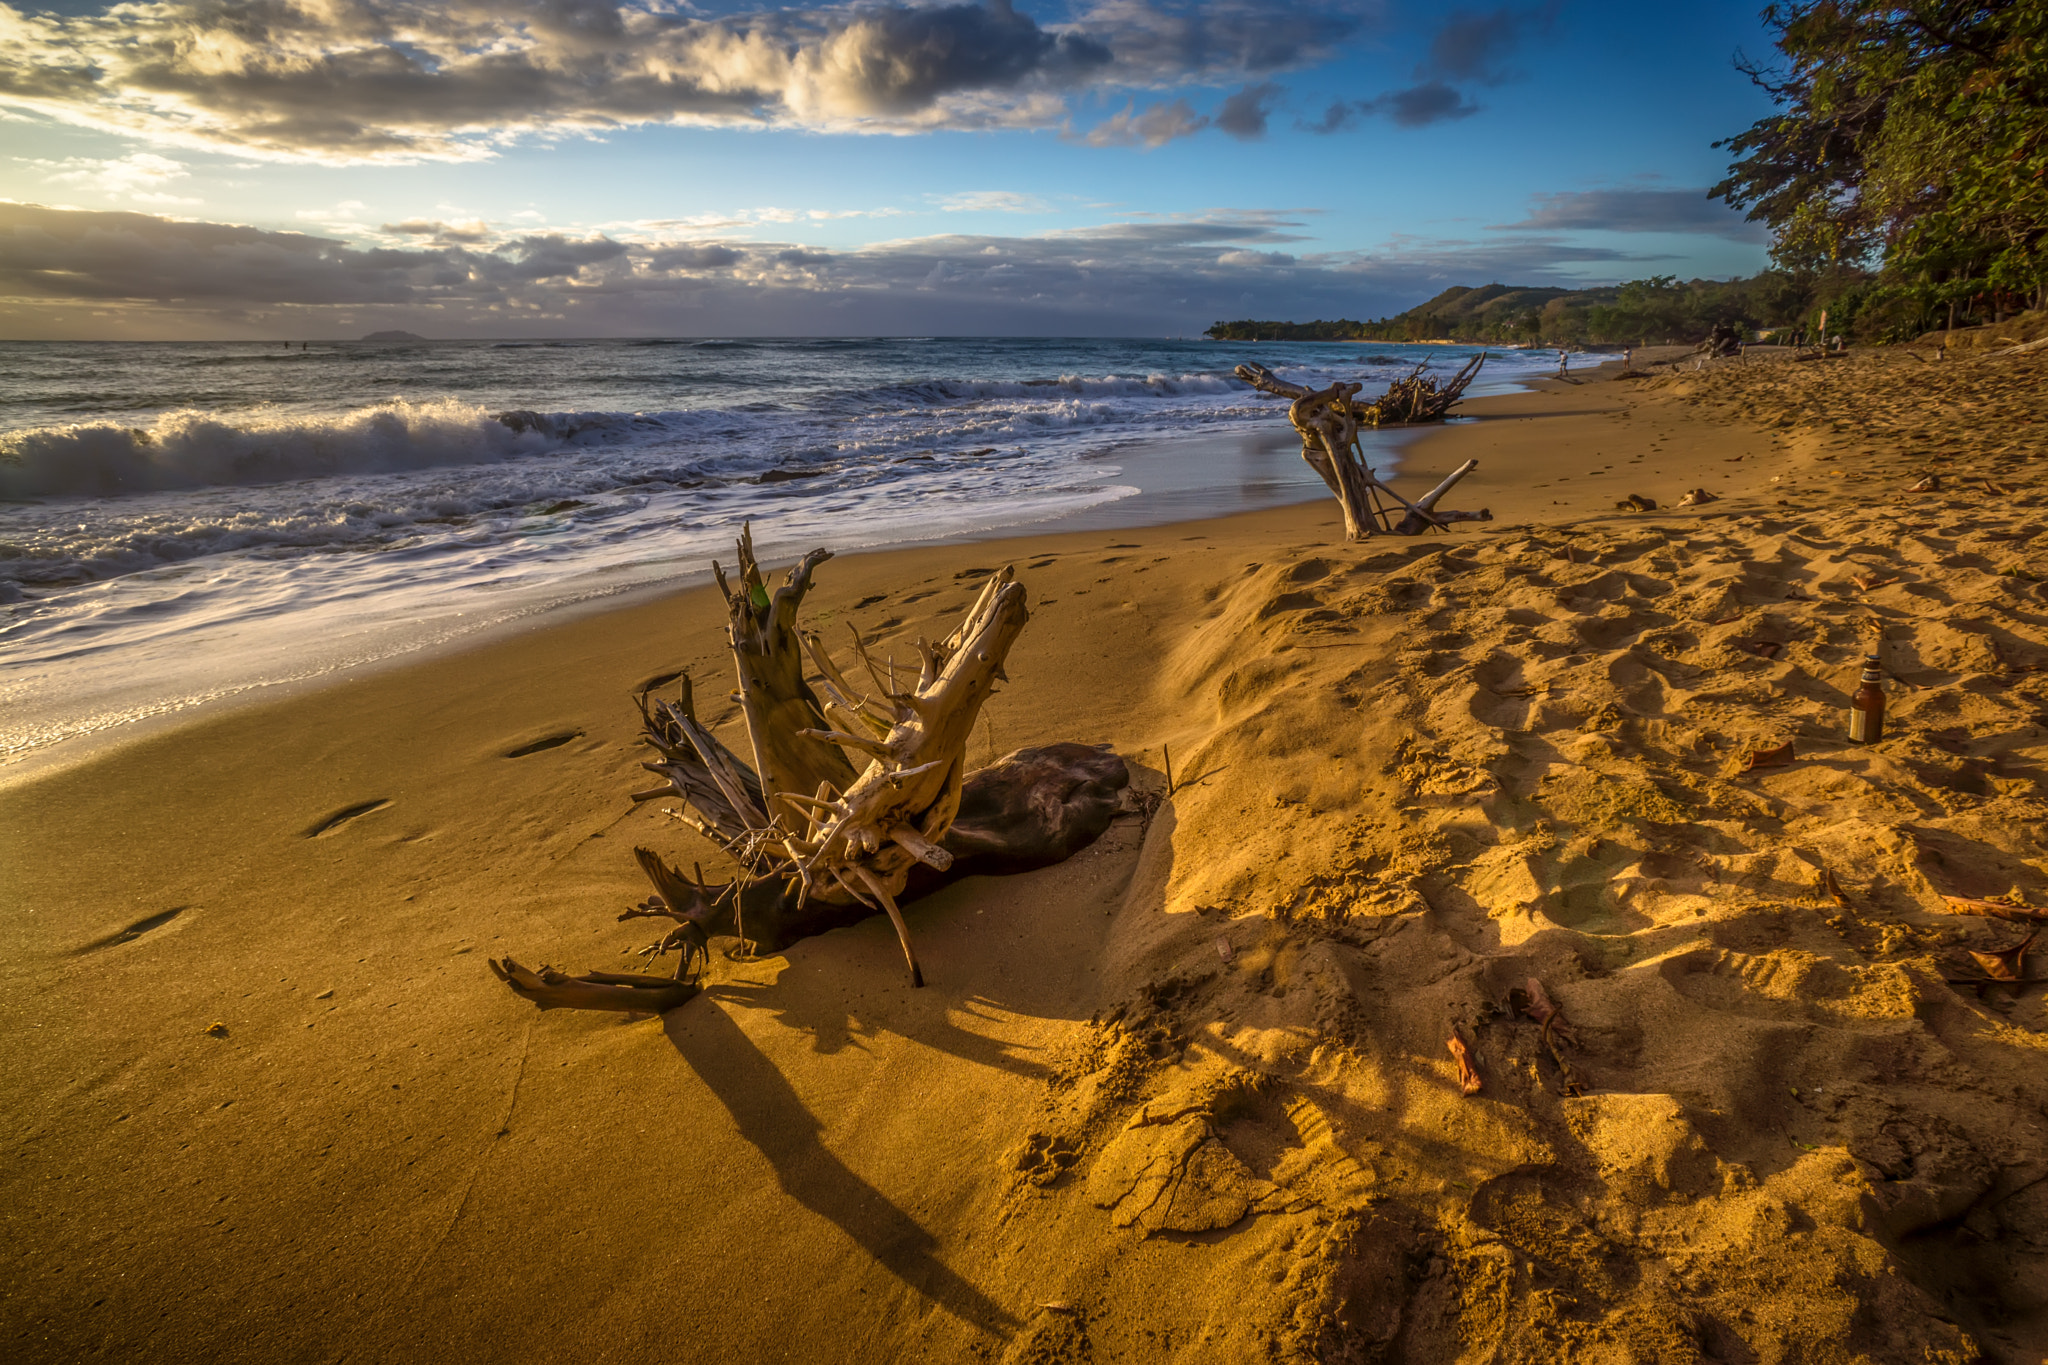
(818, 842)
(1329, 421)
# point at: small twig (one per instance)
(1166, 750)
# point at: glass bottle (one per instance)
(1866, 708)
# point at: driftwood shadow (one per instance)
(769, 1114)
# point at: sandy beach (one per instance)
(1187, 1096)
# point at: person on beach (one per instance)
(1563, 361)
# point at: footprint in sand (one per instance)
(337, 819)
(554, 741)
(135, 930)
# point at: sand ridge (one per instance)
(1186, 1097)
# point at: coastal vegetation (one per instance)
(1905, 170)
(1655, 310)
(1903, 177)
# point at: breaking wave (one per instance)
(196, 449)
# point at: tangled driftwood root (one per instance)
(854, 801)
(1329, 421)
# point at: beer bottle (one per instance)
(1866, 708)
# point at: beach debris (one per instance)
(1764, 649)
(1929, 483)
(1871, 583)
(1996, 908)
(626, 992)
(1826, 884)
(1461, 1052)
(1223, 948)
(1535, 1002)
(1636, 502)
(1866, 704)
(216, 1029)
(1328, 421)
(1779, 757)
(2008, 964)
(1694, 497)
(857, 797)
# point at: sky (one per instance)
(316, 169)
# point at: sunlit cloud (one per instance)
(1155, 126)
(140, 177)
(993, 201)
(1162, 273)
(354, 80)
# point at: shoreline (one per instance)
(1177, 478)
(1185, 1096)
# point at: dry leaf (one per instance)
(1468, 1075)
(1769, 758)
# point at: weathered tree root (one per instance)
(1329, 420)
(818, 843)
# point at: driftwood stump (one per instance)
(820, 839)
(1329, 421)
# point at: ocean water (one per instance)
(185, 523)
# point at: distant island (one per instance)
(394, 336)
(1656, 310)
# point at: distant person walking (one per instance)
(1563, 362)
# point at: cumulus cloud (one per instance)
(1158, 125)
(1469, 46)
(1475, 46)
(1416, 107)
(84, 273)
(342, 80)
(1637, 210)
(1421, 105)
(474, 231)
(1244, 114)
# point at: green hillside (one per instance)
(1657, 310)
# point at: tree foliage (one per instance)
(1910, 140)
(1660, 309)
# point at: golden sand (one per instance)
(1186, 1097)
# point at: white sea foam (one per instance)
(195, 449)
(208, 520)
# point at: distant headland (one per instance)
(1660, 309)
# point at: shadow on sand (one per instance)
(768, 1114)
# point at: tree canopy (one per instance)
(1910, 140)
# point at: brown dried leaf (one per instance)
(1779, 757)
(1468, 1074)
(2009, 965)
